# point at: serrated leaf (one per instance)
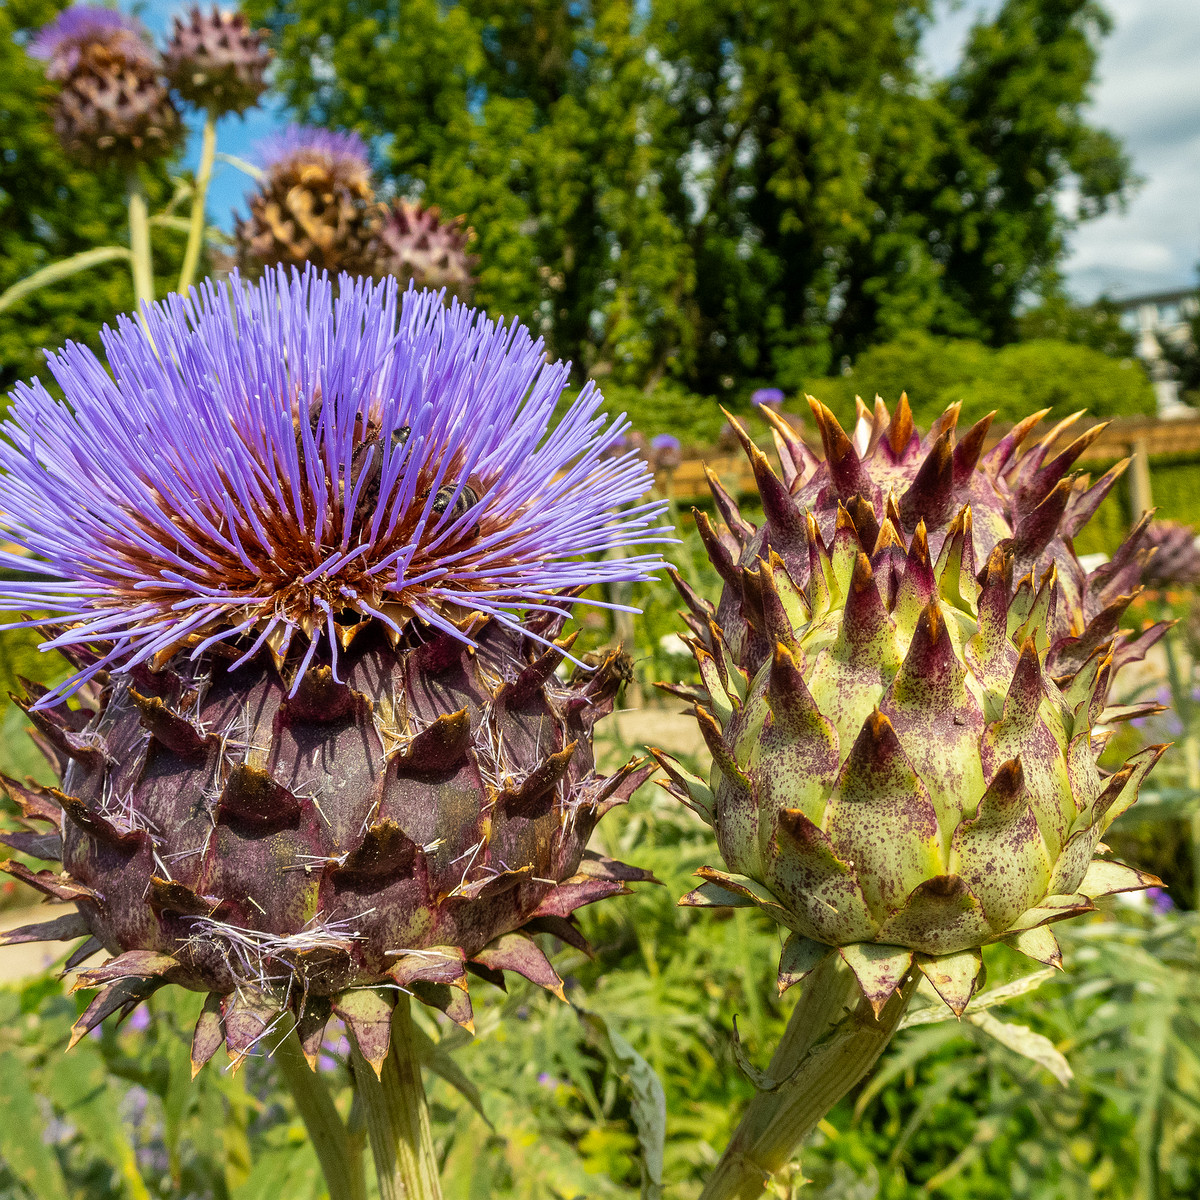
(1024, 1041)
(648, 1102)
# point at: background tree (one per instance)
(51, 208)
(725, 191)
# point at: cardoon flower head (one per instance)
(310, 558)
(666, 452)
(216, 61)
(316, 204)
(112, 107)
(81, 29)
(337, 149)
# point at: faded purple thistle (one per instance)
(63, 41)
(343, 149)
(667, 453)
(772, 397)
(267, 465)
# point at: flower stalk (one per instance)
(397, 1117)
(195, 242)
(140, 263)
(832, 1040)
(340, 1159)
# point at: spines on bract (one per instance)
(902, 712)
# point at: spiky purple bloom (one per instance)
(340, 147)
(772, 397)
(62, 42)
(267, 466)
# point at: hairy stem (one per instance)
(195, 242)
(140, 263)
(832, 1040)
(341, 1159)
(396, 1116)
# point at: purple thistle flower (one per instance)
(344, 149)
(772, 397)
(266, 463)
(62, 42)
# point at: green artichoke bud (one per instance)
(904, 739)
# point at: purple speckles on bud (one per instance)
(772, 397)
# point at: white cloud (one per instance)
(1148, 94)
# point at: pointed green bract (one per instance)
(902, 684)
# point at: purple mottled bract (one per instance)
(265, 459)
(343, 147)
(61, 42)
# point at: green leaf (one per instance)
(1024, 1041)
(22, 1147)
(648, 1103)
(57, 272)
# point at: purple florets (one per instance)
(343, 148)
(265, 463)
(62, 41)
(772, 397)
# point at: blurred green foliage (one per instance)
(724, 192)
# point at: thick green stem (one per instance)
(139, 243)
(195, 242)
(341, 1160)
(832, 1040)
(396, 1116)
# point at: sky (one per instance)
(1148, 93)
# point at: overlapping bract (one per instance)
(314, 749)
(285, 851)
(112, 106)
(904, 738)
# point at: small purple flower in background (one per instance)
(772, 397)
(665, 452)
(1159, 900)
(139, 1020)
(548, 1081)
